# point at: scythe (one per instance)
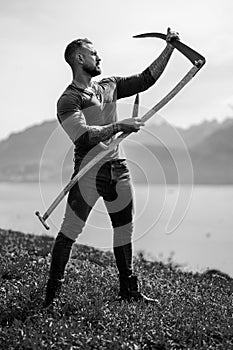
(197, 60)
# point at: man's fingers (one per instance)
(139, 121)
(172, 35)
(132, 124)
(140, 124)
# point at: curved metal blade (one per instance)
(191, 54)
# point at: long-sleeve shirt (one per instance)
(89, 115)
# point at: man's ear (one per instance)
(79, 58)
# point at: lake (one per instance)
(193, 227)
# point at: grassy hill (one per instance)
(194, 310)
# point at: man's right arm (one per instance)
(74, 123)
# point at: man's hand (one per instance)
(130, 124)
(172, 35)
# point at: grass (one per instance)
(194, 311)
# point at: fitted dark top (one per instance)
(85, 111)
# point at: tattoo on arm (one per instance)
(140, 82)
(96, 134)
(157, 67)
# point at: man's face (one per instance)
(91, 60)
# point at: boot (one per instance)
(129, 290)
(128, 283)
(124, 288)
(135, 294)
(53, 290)
(60, 257)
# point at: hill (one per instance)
(44, 152)
(213, 157)
(193, 311)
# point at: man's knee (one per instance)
(61, 237)
(72, 225)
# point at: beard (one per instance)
(93, 71)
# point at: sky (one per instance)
(34, 34)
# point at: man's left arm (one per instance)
(140, 82)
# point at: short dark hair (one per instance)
(72, 48)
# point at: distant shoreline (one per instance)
(138, 183)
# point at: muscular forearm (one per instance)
(157, 67)
(140, 82)
(95, 134)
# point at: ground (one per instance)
(194, 311)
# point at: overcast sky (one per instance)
(34, 33)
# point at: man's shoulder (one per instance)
(69, 102)
(70, 95)
(108, 86)
(111, 81)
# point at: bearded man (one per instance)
(87, 112)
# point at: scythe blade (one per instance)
(191, 54)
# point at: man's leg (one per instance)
(60, 256)
(119, 203)
(81, 199)
(120, 211)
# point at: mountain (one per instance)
(213, 157)
(156, 154)
(163, 132)
(21, 153)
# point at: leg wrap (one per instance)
(123, 256)
(60, 256)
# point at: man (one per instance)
(87, 112)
